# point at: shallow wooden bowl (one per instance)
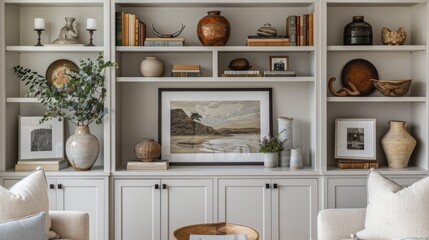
(392, 88)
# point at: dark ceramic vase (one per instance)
(358, 32)
(213, 29)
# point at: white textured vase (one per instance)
(285, 126)
(296, 158)
(151, 67)
(82, 149)
(271, 160)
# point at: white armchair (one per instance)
(70, 224)
(336, 224)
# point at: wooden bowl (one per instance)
(392, 88)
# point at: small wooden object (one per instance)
(221, 228)
(392, 88)
(357, 164)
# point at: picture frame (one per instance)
(355, 138)
(40, 141)
(213, 125)
(279, 63)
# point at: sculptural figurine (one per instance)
(68, 33)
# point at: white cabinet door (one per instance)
(246, 202)
(185, 202)
(52, 193)
(137, 209)
(294, 209)
(86, 196)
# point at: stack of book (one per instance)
(288, 73)
(130, 31)
(279, 40)
(155, 165)
(300, 30)
(48, 165)
(241, 73)
(164, 42)
(186, 70)
(357, 164)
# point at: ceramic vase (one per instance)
(147, 150)
(398, 144)
(358, 32)
(213, 29)
(285, 126)
(151, 67)
(82, 149)
(296, 159)
(271, 159)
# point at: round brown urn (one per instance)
(398, 144)
(213, 29)
(147, 150)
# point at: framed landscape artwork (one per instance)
(355, 139)
(214, 125)
(42, 141)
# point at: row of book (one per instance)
(300, 30)
(186, 70)
(130, 31)
(278, 40)
(257, 73)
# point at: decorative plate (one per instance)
(359, 72)
(55, 72)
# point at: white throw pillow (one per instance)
(27, 197)
(394, 212)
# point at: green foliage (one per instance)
(80, 100)
(270, 145)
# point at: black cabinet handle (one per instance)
(51, 186)
(164, 186)
(275, 185)
(156, 186)
(267, 185)
(60, 186)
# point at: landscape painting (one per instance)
(213, 125)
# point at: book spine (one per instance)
(240, 72)
(304, 28)
(132, 31)
(241, 75)
(118, 25)
(137, 32)
(298, 30)
(268, 44)
(186, 74)
(143, 32)
(126, 29)
(162, 43)
(292, 30)
(311, 30)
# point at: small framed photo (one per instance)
(279, 63)
(43, 141)
(355, 139)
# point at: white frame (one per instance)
(369, 126)
(26, 125)
(216, 94)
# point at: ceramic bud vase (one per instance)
(398, 144)
(147, 150)
(285, 125)
(271, 159)
(82, 149)
(358, 32)
(151, 67)
(296, 159)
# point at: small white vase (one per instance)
(151, 67)
(82, 149)
(271, 160)
(296, 158)
(285, 127)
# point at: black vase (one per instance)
(358, 32)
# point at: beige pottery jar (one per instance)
(151, 67)
(398, 144)
(82, 149)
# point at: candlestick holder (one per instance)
(39, 32)
(91, 32)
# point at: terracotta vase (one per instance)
(82, 149)
(151, 67)
(147, 150)
(213, 29)
(398, 144)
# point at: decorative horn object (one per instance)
(172, 35)
(343, 91)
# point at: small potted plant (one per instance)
(271, 148)
(80, 100)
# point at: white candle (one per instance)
(91, 24)
(39, 23)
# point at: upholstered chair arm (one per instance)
(336, 224)
(70, 224)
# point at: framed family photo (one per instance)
(213, 125)
(355, 139)
(279, 63)
(40, 141)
